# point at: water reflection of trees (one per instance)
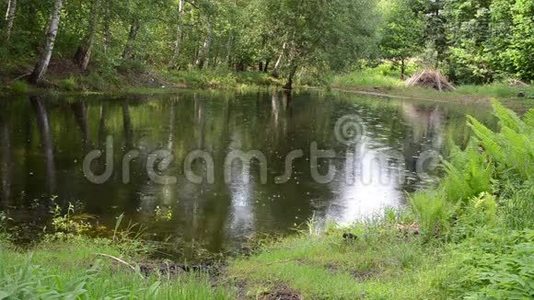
(47, 141)
(6, 159)
(214, 213)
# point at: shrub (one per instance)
(68, 84)
(432, 211)
(19, 87)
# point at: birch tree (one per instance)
(46, 53)
(10, 17)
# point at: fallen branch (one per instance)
(120, 261)
(20, 77)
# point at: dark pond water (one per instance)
(44, 143)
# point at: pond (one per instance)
(213, 169)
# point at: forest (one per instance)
(94, 41)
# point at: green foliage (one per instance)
(30, 282)
(134, 37)
(495, 264)
(433, 212)
(496, 89)
(19, 87)
(489, 39)
(494, 163)
(221, 79)
(468, 175)
(69, 224)
(402, 32)
(68, 84)
(518, 205)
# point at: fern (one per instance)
(508, 118)
(488, 139)
(529, 119)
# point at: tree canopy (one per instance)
(475, 41)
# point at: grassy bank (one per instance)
(384, 262)
(137, 78)
(379, 81)
(81, 268)
(130, 77)
(371, 261)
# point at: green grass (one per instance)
(496, 90)
(380, 264)
(385, 263)
(367, 78)
(380, 80)
(73, 270)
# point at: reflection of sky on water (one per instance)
(241, 190)
(368, 185)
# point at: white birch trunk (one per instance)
(10, 17)
(46, 54)
(278, 63)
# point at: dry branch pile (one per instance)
(430, 79)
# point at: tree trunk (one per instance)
(83, 54)
(260, 66)
(266, 66)
(179, 35)
(132, 36)
(292, 72)
(403, 69)
(107, 27)
(278, 63)
(10, 17)
(229, 50)
(204, 53)
(240, 66)
(46, 53)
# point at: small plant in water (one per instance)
(69, 224)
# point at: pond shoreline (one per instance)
(168, 83)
